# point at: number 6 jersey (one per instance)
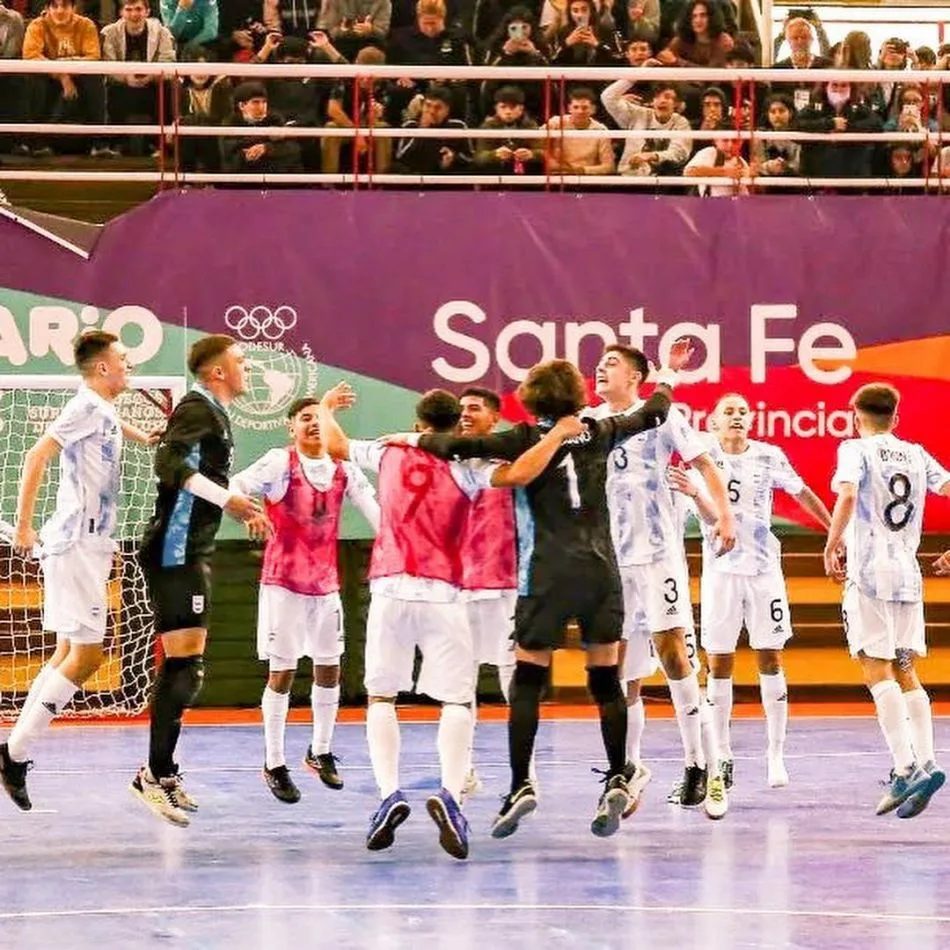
(892, 478)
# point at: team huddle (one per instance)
(488, 544)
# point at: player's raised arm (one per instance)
(334, 438)
(508, 445)
(530, 464)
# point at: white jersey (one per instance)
(892, 478)
(269, 477)
(89, 432)
(643, 522)
(751, 478)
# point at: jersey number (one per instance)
(571, 474)
(898, 511)
(671, 595)
(733, 487)
(621, 461)
(417, 480)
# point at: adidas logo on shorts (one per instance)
(670, 611)
(779, 629)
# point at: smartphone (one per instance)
(583, 22)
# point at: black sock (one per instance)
(605, 686)
(176, 688)
(526, 687)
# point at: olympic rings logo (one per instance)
(260, 322)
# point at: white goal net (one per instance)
(121, 686)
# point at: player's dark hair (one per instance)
(298, 405)
(633, 356)
(877, 400)
(439, 410)
(206, 349)
(89, 346)
(487, 396)
(554, 389)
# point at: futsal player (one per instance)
(882, 482)
(299, 608)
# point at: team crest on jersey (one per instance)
(198, 603)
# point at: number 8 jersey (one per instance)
(892, 478)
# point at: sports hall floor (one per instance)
(809, 866)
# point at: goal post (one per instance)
(28, 404)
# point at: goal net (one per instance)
(121, 686)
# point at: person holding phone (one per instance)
(581, 40)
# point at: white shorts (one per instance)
(655, 598)
(395, 628)
(492, 620)
(291, 625)
(75, 594)
(879, 628)
(730, 601)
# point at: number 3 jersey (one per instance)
(751, 478)
(892, 478)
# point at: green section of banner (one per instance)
(36, 336)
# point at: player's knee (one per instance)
(604, 684)
(187, 674)
(528, 681)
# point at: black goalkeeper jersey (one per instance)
(197, 440)
(562, 518)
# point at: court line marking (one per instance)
(518, 908)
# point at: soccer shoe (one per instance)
(519, 804)
(917, 802)
(901, 787)
(613, 803)
(182, 799)
(443, 809)
(159, 797)
(717, 801)
(325, 768)
(639, 780)
(675, 796)
(472, 785)
(694, 786)
(727, 769)
(13, 777)
(281, 784)
(388, 817)
(777, 773)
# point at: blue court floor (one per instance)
(809, 866)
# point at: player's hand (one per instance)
(942, 564)
(24, 540)
(680, 481)
(569, 427)
(155, 436)
(341, 396)
(243, 508)
(835, 562)
(681, 352)
(725, 531)
(396, 438)
(259, 527)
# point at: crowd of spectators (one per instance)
(508, 34)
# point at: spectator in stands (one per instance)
(513, 156)
(910, 118)
(715, 109)
(60, 33)
(256, 152)
(191, 21)
(434, 156)
(798, 33)
(721, 159)
(923, 58)
(11, 86)
(902, 162)
(838, 108)
(428, 42)
(884, 98)
(637, 19)
(135, 37)
(701, 38)
(554, 13)
(854, 52)
(653, 155)
(777, 158)
(202, 101)
(353, 24)
(513, 46)
(814, 21)
(587, 156)
(577, 37)
(370, 109)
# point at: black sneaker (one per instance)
(13, 777)
(694, 787)
(726, 770)
(519, 804)
(325, 768)
(613, 802)
(281, 784)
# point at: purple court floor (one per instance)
(809, 866)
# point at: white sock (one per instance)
(474, 723)
(382, 735)
(719, 703)
(892, 716)
(505, 672)
(55, 695)
(685, 695)
(921, 725)
(274, 707)
(325, 702)
(775, 703)
(636, 722)
(710, 744)
(455, 730)
(36, 687)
